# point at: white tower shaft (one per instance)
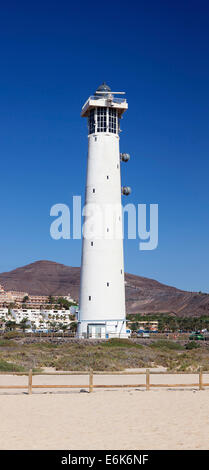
(102, 291)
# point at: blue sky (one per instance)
(53, 56)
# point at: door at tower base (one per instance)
(103, 330)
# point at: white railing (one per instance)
(114, 100)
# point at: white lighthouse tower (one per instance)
(102, 291)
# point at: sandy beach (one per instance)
(104, 419)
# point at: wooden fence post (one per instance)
(30, 375)
(147, 379)
(91, 386)
(200, 379)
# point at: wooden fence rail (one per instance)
(91, 385)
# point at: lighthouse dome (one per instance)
(103, 88)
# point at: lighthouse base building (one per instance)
(102, 290)
(103, 330)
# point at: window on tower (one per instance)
(91, 122)
(101, 119)
(118, 125)
(113, 120)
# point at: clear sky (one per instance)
(53, 55)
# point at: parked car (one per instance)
(143, 334)
(196, 336)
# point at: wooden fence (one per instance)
(91, 385)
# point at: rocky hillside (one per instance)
(143, 295)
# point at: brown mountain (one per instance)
(143, 295)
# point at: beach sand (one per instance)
(105, 419)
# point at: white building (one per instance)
(33, 316)
(102, 292)
(58, 316)
(40, 318)
(3, 313)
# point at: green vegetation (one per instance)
(51, 299)
(10, 325)
(63, 303)
(6, 343)
(120, 343)
(22, 353)
(192, 345)
(73, 326)
(167, 322)
(165, 344)
(10, 367)
(23, 324)
(60, 303)
(13, 334)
